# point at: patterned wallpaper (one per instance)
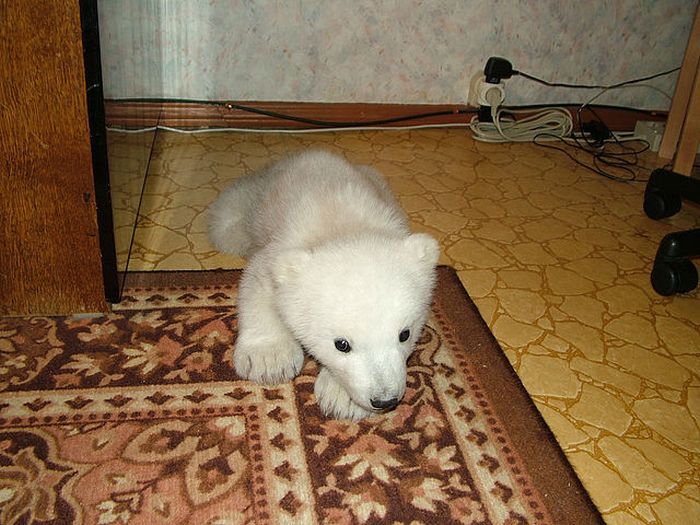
(396, 51)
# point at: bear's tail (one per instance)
(228, 217)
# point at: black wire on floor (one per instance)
(347, 124)
(611, 157)
(604, 159)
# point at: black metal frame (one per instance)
(98, 141)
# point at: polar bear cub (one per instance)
(332, 269)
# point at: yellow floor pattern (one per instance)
(557, 260)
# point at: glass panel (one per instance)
(131, 71)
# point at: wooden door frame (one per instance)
(50, 257)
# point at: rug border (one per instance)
(545, 461)
(139, 280)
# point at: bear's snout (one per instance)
(384, 404)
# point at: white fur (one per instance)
(330, 256)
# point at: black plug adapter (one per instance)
(497, 69)
(597, 131)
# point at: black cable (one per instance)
(597, 137)
(602, 158)
(342, 124)
(653, 112)
(609, 158)
(594, 168)
(598, 148)
(594, 86)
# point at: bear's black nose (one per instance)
(384, 404)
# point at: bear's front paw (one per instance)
(268, 363)
(334, 399)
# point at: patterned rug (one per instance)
(137, 418)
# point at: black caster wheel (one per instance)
(659, 204)
(673, 277)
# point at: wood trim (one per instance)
(131, 114)
(681, 95)
(193, 115)
(690, 132)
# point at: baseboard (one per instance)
(136, 114)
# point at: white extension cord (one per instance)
(554, 123)
(294, 131)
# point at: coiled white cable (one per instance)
(555, 122)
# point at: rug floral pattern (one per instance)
(137, 417)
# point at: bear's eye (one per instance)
(342, 345)
(404, 335)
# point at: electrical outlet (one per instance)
(478, 78)
(491, 94)
(478, 88)
(651, 131)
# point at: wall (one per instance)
(397, 51)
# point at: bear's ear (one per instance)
(289, 264)
(424, 247)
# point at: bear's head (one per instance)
(358, 305)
